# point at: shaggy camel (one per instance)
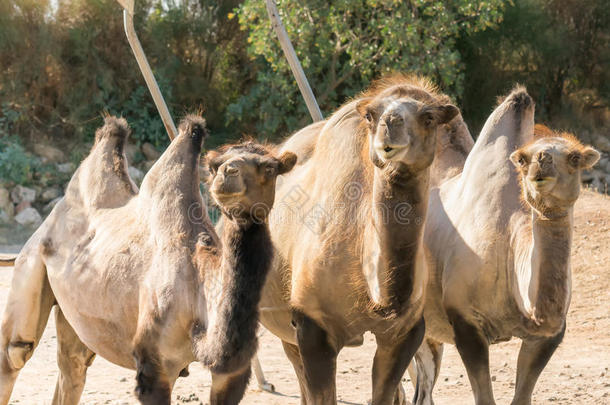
(348, 230)
(142, 279)
(500, 264)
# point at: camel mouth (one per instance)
(388, 152)
(542, 183)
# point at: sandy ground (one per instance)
(577, 374)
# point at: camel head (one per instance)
(549, 169)
(242, 179)
(401, 123)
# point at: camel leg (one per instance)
(428, 362)
(319, 359)
(73, 358)
(26, 314)
(535, 353)
(392, 358)
(263, 384)
(153, 386)
(474, 351)
(229, 389)
(294, 355)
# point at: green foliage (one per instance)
(67, 65)
(16, 165)
(344, 44)
(557, 48)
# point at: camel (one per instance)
(497, 243)
(348, 228)
(140, 277)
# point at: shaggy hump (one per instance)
(113, 127)
(247, 147)
(402, 85)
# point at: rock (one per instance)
(5, 199)
(49, 207)
(21, 193)
(148, 164)
(28, 216)
(21, 206)
(602, 143)
(48, 153)
(67, 168)
(150, 151)
(5, 218)
(131, 151)
(136, 174)
(50, 194)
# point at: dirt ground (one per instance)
(577, 374)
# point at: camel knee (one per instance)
(74, 365)
(18, 353)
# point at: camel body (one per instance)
(348, 230)
(141, 278)
(498, 268)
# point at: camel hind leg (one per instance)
(26, 314)
(428, 363)
(73, 358)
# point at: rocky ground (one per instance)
(577, 374)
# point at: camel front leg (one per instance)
(474, 351)
(534, 355)
(392, 357)
(26, 314)
(73, 358)
(294, 355)
(229, 389)
(319, 359)
(428, 363)
(153, 386)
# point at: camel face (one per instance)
(550, 170)
(402, 130)
(243, 178)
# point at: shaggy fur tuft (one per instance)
(113, 127)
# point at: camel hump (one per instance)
(194, 127)
(114, 127)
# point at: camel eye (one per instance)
(574, 159)
(522, 161)
(368, 117)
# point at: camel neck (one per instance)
(399, 203)
(246, 259)
(545, 280)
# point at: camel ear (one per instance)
(362, 109)
(213, 161)
(589, 158)
(519, 159)
(432, 116)
(287, 162)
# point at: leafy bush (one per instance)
(16, 165)
(344, 44)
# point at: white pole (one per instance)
(293, 61)
(149, 78)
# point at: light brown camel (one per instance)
(498, 249)
(142, 279)
(348, 229)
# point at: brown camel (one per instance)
(498, 249)
(141, 278)
(348, 230)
